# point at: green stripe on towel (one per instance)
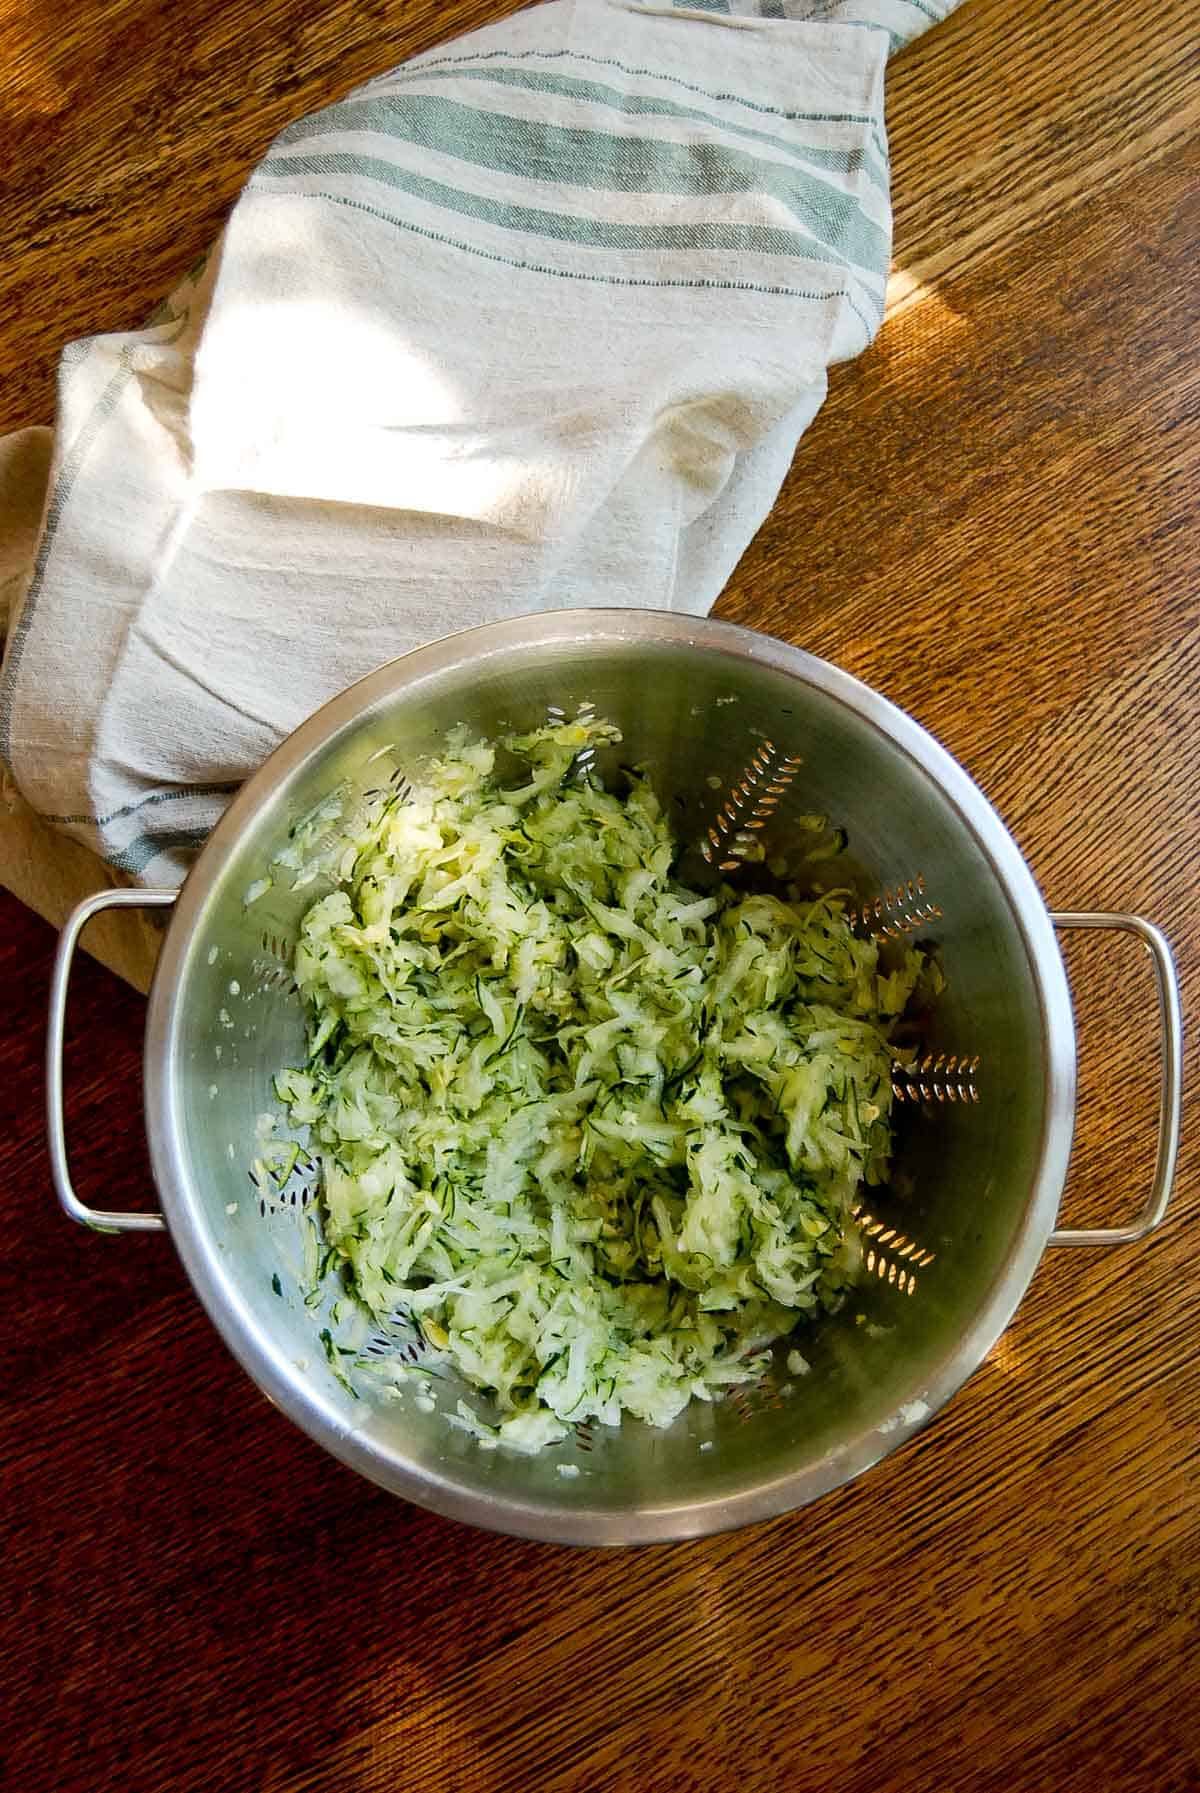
(646, 105)
(566, 227)
(599, 161)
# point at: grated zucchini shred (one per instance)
(599, 1134)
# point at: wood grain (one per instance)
(990, 522)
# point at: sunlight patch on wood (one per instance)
(905, 292)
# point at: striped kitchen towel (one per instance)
(535, 319)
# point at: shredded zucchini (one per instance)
(599, 1134)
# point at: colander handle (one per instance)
(1171, 1087)
(56, 1022)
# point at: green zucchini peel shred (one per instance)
(599, 1134)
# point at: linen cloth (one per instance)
(535, 319)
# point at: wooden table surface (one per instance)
(992, 522)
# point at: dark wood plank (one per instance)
(989, 521)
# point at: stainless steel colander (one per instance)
(984, 1115)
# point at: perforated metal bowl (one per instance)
(951, 1245)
